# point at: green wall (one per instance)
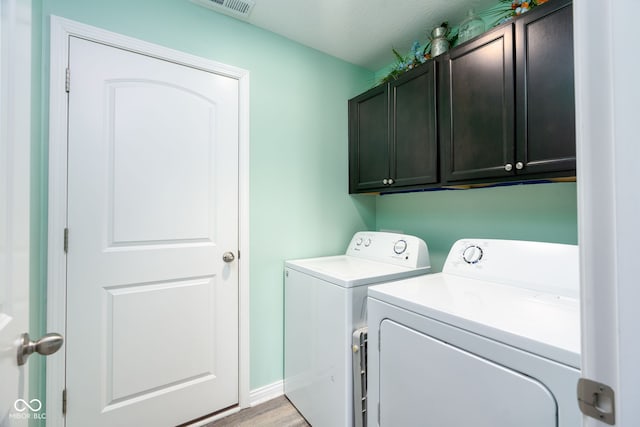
(299, 204)
(542, 212)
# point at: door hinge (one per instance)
(64, 402)
(597, 400)
(67, 80)
(379, 341)
(378, 413)
(238, 253)
(66, 240)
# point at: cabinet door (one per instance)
(545, 90)
(413, 129)
(368, 140)
(477, 111)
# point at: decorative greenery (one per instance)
(417, 55)
(505, 11)
(508, 9)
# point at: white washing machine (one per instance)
(492, 341)
(325, 302)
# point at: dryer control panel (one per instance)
(548, 267)
(393, 248)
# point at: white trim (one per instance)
(256, 397)
(61, 30)
(608, 202)
(267, 392)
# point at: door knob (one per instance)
(228, 257)
(45, 346)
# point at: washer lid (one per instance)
(541, 323)
(348, 271)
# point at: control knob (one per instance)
(472, 254)
(400, 246)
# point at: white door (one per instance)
(16, 407)
(152, 308)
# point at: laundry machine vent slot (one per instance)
(360, 377)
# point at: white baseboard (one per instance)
(267, 392)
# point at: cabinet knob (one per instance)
(508, 167)
(385, 181)
(519, 165)
(390, 181)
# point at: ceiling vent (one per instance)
(236, 8)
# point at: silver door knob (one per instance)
(519, 165)
(45, 346)
(385, 181)
(228, 257)
(508, 167)
(390, 181)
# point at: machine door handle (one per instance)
(45, 346)
(228, 257)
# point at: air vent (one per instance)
(236, 8)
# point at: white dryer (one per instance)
(325, 302)
(492, 341)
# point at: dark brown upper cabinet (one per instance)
(545, 98)
(507, 101)
(393, 135)
(369, 140)
(477, 110)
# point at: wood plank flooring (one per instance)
(278, 412)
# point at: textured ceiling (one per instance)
(362, 32)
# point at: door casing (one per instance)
(61, 30)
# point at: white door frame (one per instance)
(608, 201)
(61, 30)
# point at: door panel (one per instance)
(477, 115)
(424, 381)
(368, 140)
(152, 310)
(414, 159)
(546, 105)
(146, 202)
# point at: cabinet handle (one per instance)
(390, 181)
(385, 181)
(519, 165)
(508, 167)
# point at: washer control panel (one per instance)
(394, 248)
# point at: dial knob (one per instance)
(358, 241)
(367, 242)
(472, 254)
(400, 246)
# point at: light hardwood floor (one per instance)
(278, 412)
